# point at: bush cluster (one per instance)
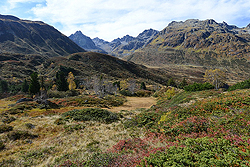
(241, 85)
(91, 114)
(17, 135)
(199, 152)
(5, 128)
(198, 87)
(62, 94)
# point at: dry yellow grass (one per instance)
(4, 104)
(55, 142)
(135, 102)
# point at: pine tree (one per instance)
(25, 86)
(143, 86)
(183, 83)
(42, 83)
(61, 81)
(171, 82)
(4, 86)
(34, 86)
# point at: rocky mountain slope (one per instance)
(126, 45)
(33, 37)
(136, 43)
(85, 42)
(199, 43)
(207, 35)
(104, 45)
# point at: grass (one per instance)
(57, 143)
(168, 129)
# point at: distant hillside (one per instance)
(208, 35)
(199, 43)
(16, 67)
(91, 63)
(33, 37)
(85, 42)
(126, 45)
(138, 42)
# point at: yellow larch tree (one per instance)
(70, 80)
(216, 77)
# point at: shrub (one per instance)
(101, 159)
(147, 119)
(126, 93)
(170, 93)
(199, 152)
(30, 126)
(3, 86)
(91, 114)
(198, 87)
(143, 93)
(2, 146)
(241, 85)
(16, 135)
(5, 128)
(72, 128)
(8, 119)
(62, 94)
(59, 121)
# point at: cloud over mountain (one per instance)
(111, 19)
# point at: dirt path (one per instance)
(135, 102)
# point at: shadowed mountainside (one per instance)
(33, 37)
(91, 63)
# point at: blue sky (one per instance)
(109, 19)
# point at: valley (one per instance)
(175, 97)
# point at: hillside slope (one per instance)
(92, 63)
(199, 43)
(207, 35)
(33, 37)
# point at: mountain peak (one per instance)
(85, 42)
(79, 33)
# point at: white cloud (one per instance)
(13, 3)
(109, 19)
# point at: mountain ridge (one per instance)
(33, 37)
(127, 44)
(85, 42)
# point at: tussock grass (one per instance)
(57, 143)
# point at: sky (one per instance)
(110, 19)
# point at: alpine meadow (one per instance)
(175, 97)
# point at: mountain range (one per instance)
(31, 46)
(199, 43)
(119, 47)
(182, 49)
